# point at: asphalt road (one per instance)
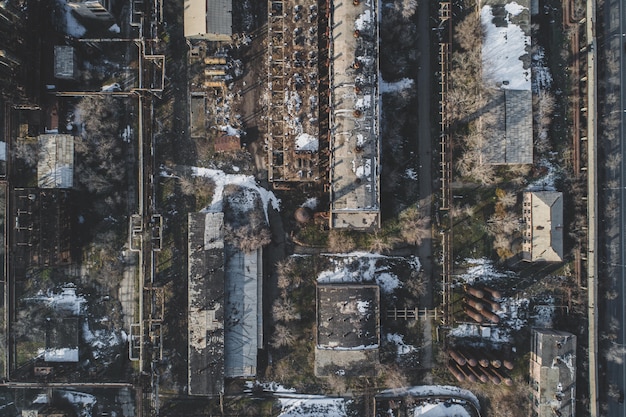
(612, 231)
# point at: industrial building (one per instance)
(243, 312)
(323, 118)
(507, 76)
(93, 9)
(293, 134)
(354, 116)
(210, 20)
(543, 226)
(225, 307)
(348, 329)
(553, 373)
(206, 304)
(55, 165)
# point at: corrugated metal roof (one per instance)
(208, 19)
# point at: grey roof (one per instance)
(64, 63)
(244, 314)
(510, 139)
(55, 167)
(354, 117)
(206, 303)
(544, 237)
(348, 331)
(347, 315)
(208, 19)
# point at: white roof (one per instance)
(55, 168)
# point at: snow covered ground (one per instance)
(481, 269)
(221, 179)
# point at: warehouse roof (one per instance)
(208, 19)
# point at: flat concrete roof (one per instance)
(348, 329)
(354, 116)
(55, 167)
(206, 304)
(553, 370)
(211, 20)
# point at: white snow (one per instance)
(513, 8)
(410, 173)
(83, 403)
(440, 410)
(481, 269)
(433, 391)
(547, 182)
(41, 399)
(229, 130)
(360, 140)
(3, 151)
(362, 306)
(395, 86)
(70, 25)
(114, 28)
(101, 340)
(111, 87)
(362, 267)
(312, 406)
(502, 48)
(311, 203)
(363, 21)
(66, 300)
(362, 168)
(306, 142)
(398, 340)
(542, 78)
(364, 102)
(61, 355)
(221, 179)
(127, 134)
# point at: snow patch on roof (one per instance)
(70, 25)
(398, 340)
(306, 142)
(312, 406)
(502, 49)
(395, 86)
(363, 21)
(221, 179)
(364, 267)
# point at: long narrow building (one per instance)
(206, 304)
(354, 116)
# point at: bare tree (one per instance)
(283, 310)
(414, 226)
(380, 243)
(282, 337)
(339, 241)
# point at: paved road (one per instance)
(612, 231)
